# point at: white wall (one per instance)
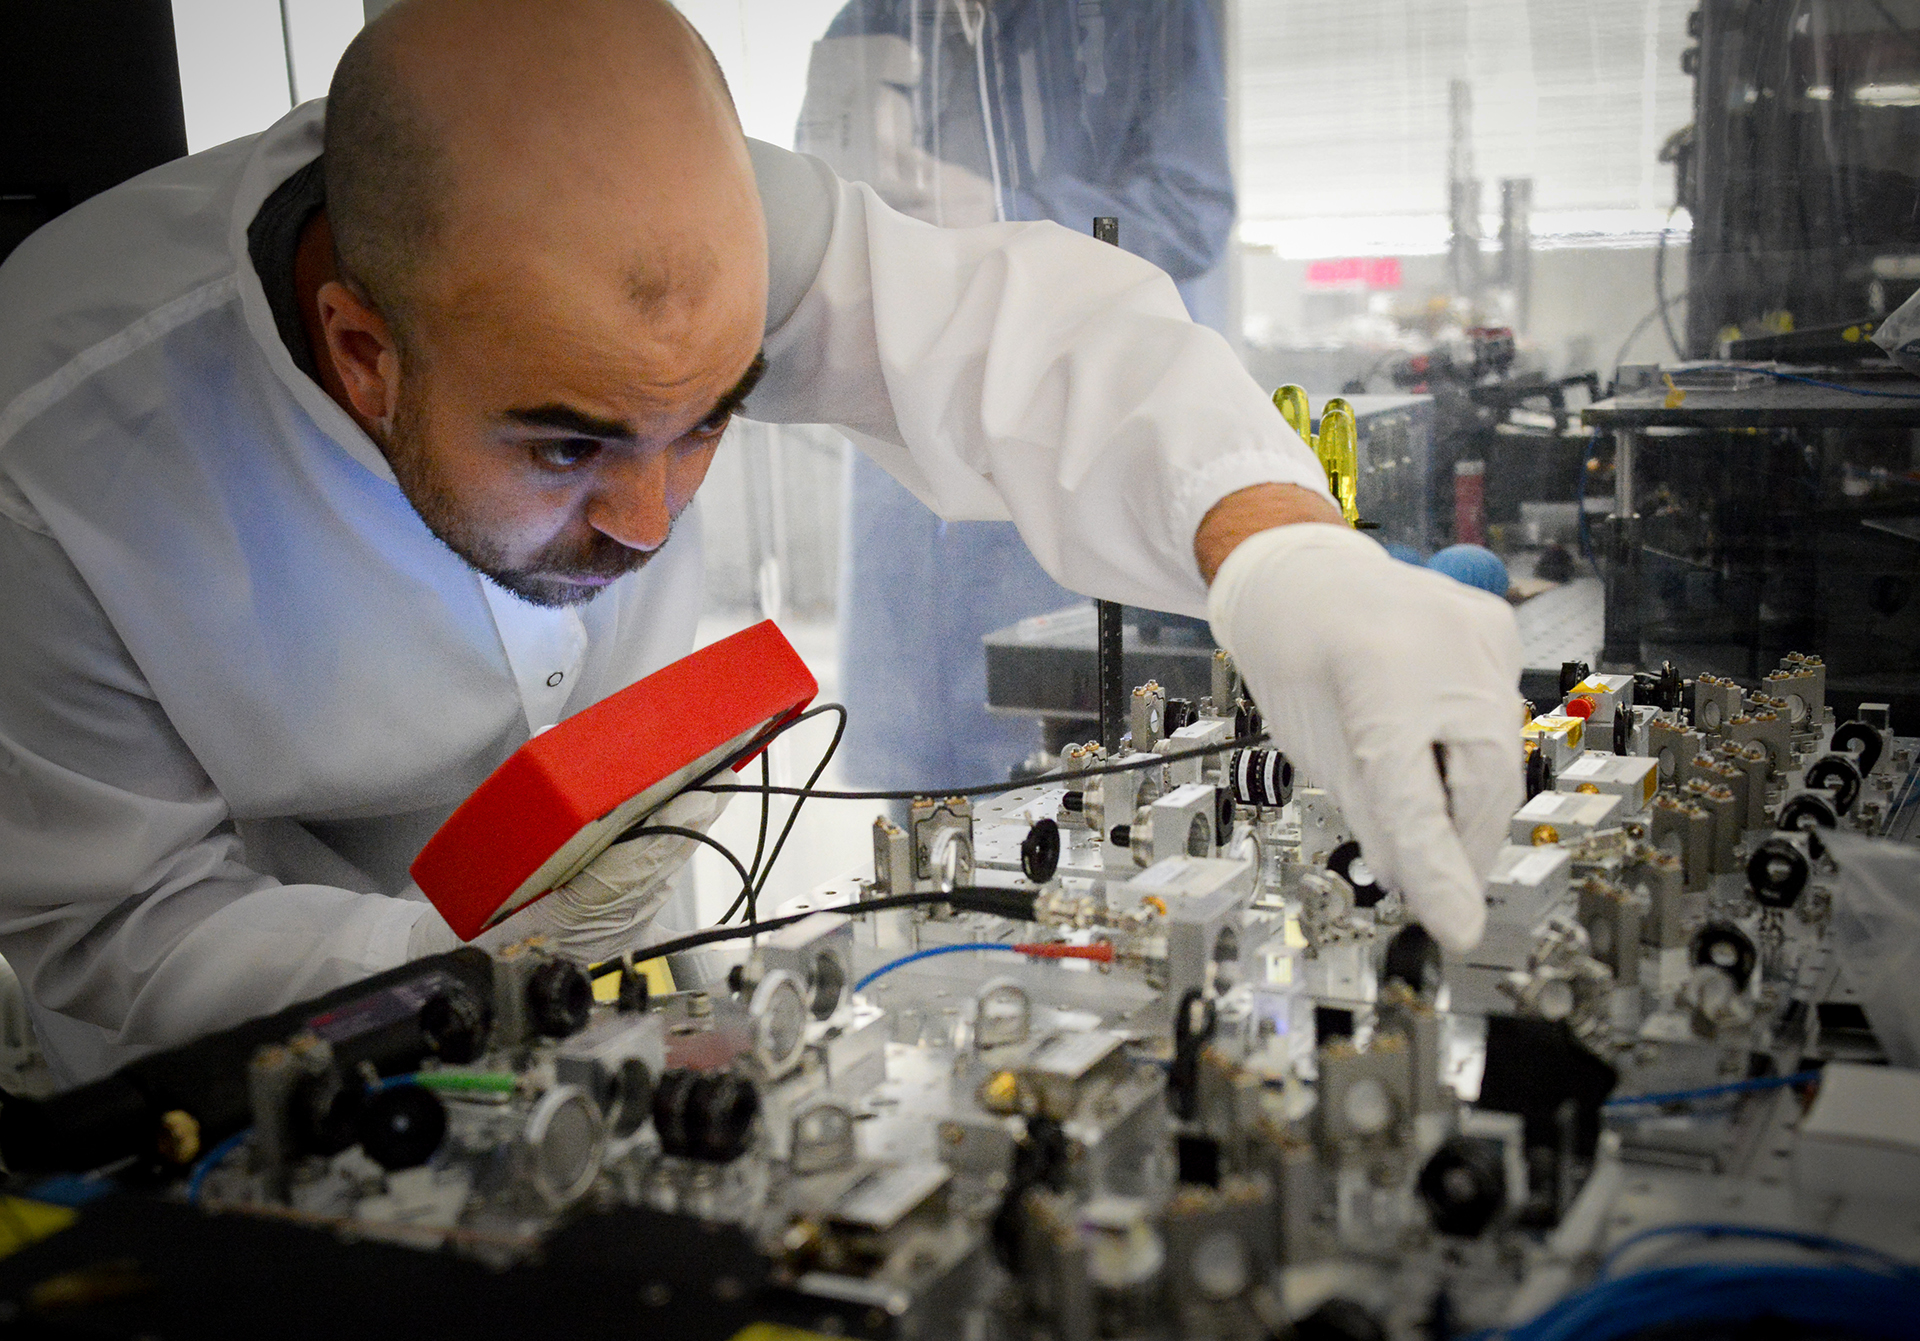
(233, 68)
(763, 47)
(317, 32)
(244, 62)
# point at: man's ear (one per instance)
(364, 353)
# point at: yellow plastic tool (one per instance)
(1338, 448)
(1291, 401)
(1336, 444)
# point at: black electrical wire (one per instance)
(994, 788)
(833, 747)
(750, 895)
(1640, 326)
(1015, 904)
(698, 836)
(766, 809)
(1663, 304)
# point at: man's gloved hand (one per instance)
(605, 909)
(1360, 665)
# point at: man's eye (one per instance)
(564, 453)
(712, 426)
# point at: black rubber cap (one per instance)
(1464, 1186)
(631, 1102)
(1859, 740)
(1413, 957)
(1807, 811)
(724, 1106)
(1777, 874)
(634, 995)
(1839, 776)
(401, 1127)
(673, 1116)
(1040, 851)
(1346, 861)
(1724, 946)
(559, 999)
(325, 1112)
(455, 1023)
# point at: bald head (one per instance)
(486, 124)
(552, 275)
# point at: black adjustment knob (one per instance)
(455, 1023)
(1860, 741)
(324, 1111)
(1178, 713)
(559, 999)
(704, 1116)
(673, 1110)
(631, 1101)
(1347, 862)
(401, 1126)
(1777, 874)
(1246, 721)
(1622, 729)
(1040, 851)
(1222, 815)
(1571, 674)
(725, 1106)
(1539, 774)
(1413, 957)
(1193, 1026)
(1464, 1186)
(1074, 803)
(1808, 813)
(1121, 836)
(1838, 775)
(1260, 777)
(1724, 946)
(634, 994)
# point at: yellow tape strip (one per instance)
(23, 1222)
(659, 981)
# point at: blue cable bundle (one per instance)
(1872, 1295)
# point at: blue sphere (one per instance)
(1475, 565)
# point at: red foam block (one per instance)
(564, 796)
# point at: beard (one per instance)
(538, 580)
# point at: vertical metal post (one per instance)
(1109, 647)
(1621, 647)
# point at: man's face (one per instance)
(553, 454)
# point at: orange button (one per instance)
(1580, 707)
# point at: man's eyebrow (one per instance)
(734, 399)
(566, 419)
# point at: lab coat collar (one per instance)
(285, 147)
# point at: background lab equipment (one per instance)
(963, 114)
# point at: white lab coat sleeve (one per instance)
(126, 904)
(1025, 371)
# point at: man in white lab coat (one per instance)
(326, 480)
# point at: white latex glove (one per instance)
(1360, 664)
(602, 911)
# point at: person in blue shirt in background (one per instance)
(971, 112)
